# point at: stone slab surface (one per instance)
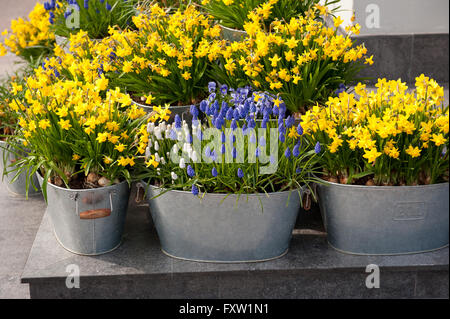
(311, 269)
(19, 223)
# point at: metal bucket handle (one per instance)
(93, 213)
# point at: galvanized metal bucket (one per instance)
(182, 111)
(221, 228)
(233, 34)
(64, 43)
(18, 187)
(88, 222)
(385, 220)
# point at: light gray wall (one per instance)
(12, 9)
(399, 16)
(9, 10)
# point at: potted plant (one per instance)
(15, 183)
(302, 60)
(385, 167)
(95, 17)
(29, 39)
(166, 60)
(228, 190)
(82, 141)
(234, 16)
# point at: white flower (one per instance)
(158, 133)
(163, 126)
(147, 153)
(156, 146)
(150, 127)
(174, 176)
(175, 149)
(180, 136)
(185, 148)
(182, 163)
(163, 161)
(158, 171)
(157, 158)
(194, 156)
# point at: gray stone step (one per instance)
(311, 269)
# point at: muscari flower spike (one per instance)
(194, 190)
(224, 89)
(177, 122)
(190, 171)
(194, 112)
(290, 121)
(300, 129)
(240, 173)
(317, 148)
(296, 150)
(257, 152)
(212, 87)
(234, 152)
(287, 152)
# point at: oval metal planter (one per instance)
(233, 35)
(217, 228)
(64, 43)
(18, 187)
(385, 220)
(88, 222)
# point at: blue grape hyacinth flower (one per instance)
(190, 171)
(287, 152)
(212, 87)
(317, 148)
(194, 190)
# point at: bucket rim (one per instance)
(233, 194)
(225, 261)
(327, 183)
(83, 190)
(232, 29)
(66, 38)
(170, 107)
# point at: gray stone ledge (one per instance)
(311, 269)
